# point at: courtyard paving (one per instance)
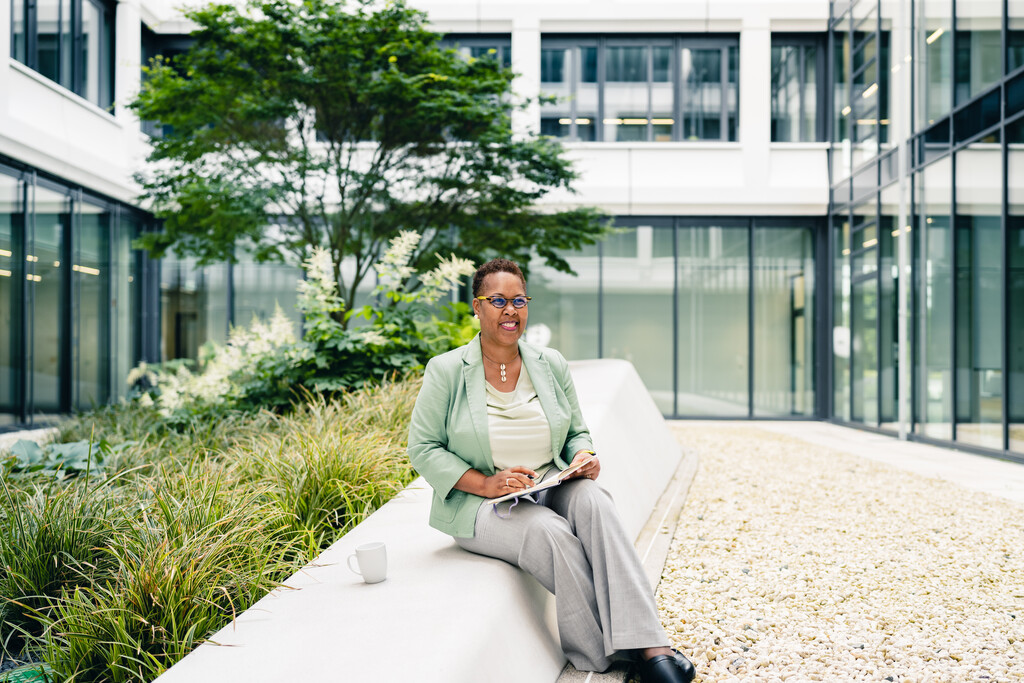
(807, 551)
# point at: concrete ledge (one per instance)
(442, 614)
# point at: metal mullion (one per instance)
(677, 88)
(723, 118)
(878, 301)
(750, 317)
(953, 292)
(1004, 230)
(952, 76)
(650, 92)
(675, 318)
(29, 300)
(574, 84)
(600, 299)
(21, 355)
(599, 124)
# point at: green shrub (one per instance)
(116, 576)
(265, 367)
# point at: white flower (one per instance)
(372, 337)
(446, 276)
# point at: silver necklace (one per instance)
(501, 366)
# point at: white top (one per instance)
(518, 428)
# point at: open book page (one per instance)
(553, 481)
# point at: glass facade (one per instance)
(71, 318)
(71, 42)
(718, 316)
(656, 89)
(937, 223)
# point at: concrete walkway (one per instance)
(974, 472)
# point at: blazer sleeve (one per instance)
(428, 437)
(578, 436)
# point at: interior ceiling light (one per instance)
(935, 36)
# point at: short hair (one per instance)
(498, 265)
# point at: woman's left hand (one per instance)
(589, 471)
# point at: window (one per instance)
(68, 41)
(655, 89)
(479, 46)
(797, 66)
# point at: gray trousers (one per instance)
(572, 541)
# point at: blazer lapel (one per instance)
(544, 383)
(473, 376)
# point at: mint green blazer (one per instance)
(448, 434)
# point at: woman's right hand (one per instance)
(508, 481)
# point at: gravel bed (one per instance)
(793, 562)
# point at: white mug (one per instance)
(372, 559)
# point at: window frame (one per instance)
(819, 41)
(677, 42)
(75, 81)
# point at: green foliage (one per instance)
(343, 124)
(61, 459)
(265, 367)
(116, 578)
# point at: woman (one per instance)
(495, 417)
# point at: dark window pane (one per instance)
(552, 65)
(626, 64)
(662, 59)
(978, 116)
(588, 64)
(19, 31)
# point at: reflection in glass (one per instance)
(709, 93)
(48, 38)
(794, 93)
(1014, 35)
(45, 265)
(625, 93)
(555, 70)
(662, 97)
(783, 321)
(713, 318)
(979, 59)
(124, 289)
(563, 313)
(888, 310)
(90, 274)
(864, 351)
(585, 102)
(11, 219)
(19, 35)
(841, 317)
(935, 61)
(979, 349)
(1015, 283)
(91, 57)
(260, 288)
(194, 306)
(934, 300)
(637, 284)
(841, 89)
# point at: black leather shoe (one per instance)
(666, 669)
(685, 666)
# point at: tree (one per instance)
(324, 123)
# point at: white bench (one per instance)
(443, 614)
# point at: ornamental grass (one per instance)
(116, 573)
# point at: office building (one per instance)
(816, 200)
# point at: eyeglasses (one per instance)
(502, 302)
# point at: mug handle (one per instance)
(350, 558)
